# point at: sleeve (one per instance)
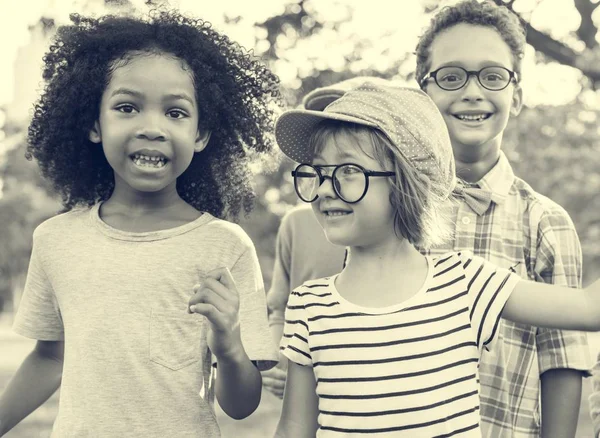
(294, 343)
(594, 398)
(278, 293)
(488, 289)
(38, 314)
(254, 327)
(559, 261)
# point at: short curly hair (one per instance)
(485, 13)
(237, 96)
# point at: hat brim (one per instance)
(319, 99)
(294, 129)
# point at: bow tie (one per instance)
(475, 197)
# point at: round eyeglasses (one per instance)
(454, 78)
(350, 181)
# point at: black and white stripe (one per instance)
(405, 370)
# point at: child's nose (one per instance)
(151, 127)
(473, 89)
(326, 190)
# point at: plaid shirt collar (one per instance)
(498, 180)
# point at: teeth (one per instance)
(147, 158)
(146, 161)
(472, 117)
(336, 213)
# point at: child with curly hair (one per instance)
(140, 289)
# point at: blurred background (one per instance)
(554, 144)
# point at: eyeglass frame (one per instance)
(367, 173)
(513, 77)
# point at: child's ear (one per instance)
(202, 138)
(517, 101)
(95, 135)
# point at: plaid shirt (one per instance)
(534, 236)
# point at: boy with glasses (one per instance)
(468, 62)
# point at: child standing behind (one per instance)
(391, 345)
(469, 63)
(137, 292)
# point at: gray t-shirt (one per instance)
(136, 363)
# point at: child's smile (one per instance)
(334, 214)
(472, 118)
(149, 159)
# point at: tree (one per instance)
(586, 60)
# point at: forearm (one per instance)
(238, 386)
(560, 400)
(35, 381)
(276, 326)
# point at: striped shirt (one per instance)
(534, 236)
(409, 370)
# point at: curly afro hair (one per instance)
(237, 100)
(478, 13)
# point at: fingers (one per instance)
(206, 295)
(223, 276)
(275, 391)
(274, 381)
(220, 282)
(216, 297)
(211, 312)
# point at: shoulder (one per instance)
(300, 215)
(453, 262)
(452, 258)
(229, 234)
(311, 290)
(313, 287)
(61, 223)
(542, 209)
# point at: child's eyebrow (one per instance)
(168, 97)
(182, 96)
(125, 91)
(481, 64)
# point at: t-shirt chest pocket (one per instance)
(176, 338)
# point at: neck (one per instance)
(136, 202)
(473, 171)
(399, 254)
(472, 164)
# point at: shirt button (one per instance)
(466, 220)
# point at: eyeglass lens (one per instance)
(349, 182)
(453, 78)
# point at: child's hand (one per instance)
(217, 298)
(274, 379)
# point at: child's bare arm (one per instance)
(37, 378)
(546, 305)
(300, 411)
(238, 385)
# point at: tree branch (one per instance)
(559, 51)
(587, 29)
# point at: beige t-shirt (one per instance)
(136, 363)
